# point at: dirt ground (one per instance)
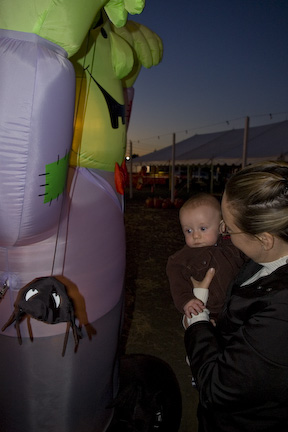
(152, 324)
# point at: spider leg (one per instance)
(18, 332)
(30, 328)
(9, 322)
(66, 338)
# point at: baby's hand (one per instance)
(194, 307)
(213, 322)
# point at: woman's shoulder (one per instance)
(226, 247)
(273, 283)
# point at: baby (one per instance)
(206, 247)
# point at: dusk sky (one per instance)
(223, 60)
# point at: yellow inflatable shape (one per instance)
(64, 22)
(122, 56)
(100, 130)
(109, 59)
(147, 47)
(117, 10)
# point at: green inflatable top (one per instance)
(64, 22)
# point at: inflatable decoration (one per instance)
(58, 218)
(64, 22)
(147, 47)
(100, 105)
(148, 51)
(44, 299)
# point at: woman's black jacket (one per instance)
(241, 366)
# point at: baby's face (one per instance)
(200, 226)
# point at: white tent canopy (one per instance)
(264, 142)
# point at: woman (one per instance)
(241, 366)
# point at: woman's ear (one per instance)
(266, 239)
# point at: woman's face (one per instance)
(250, 245)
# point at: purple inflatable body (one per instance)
(75, 233)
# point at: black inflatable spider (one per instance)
(44, 299)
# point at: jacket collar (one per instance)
(247, 271)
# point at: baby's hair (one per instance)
(257, 197)
(201, 199)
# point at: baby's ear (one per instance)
(222, 227)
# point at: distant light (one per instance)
(127, 158)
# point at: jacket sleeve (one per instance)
(181, 287)
(251, 363)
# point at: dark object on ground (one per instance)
(149, 397)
